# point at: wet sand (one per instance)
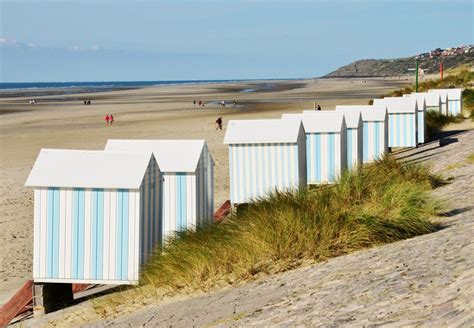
(62, 121)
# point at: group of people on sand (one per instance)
(199, 103)
(109, 119)
(87, 102)
(32, 102)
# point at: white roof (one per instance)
(452, 94)
(353, 118)
(292, 116)
(262, 131)
(323, 121)
(398, 104)
(369, 112)
(88, 169)
(430, 98)
(171, 155)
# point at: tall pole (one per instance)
(416, 80)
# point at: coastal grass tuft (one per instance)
(380, 203)
(435, 122)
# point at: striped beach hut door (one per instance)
(181, 202)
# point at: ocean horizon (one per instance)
(114, 84)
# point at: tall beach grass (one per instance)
(377, 204)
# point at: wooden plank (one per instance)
(17, 303)
(223, 211)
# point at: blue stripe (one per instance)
(53, 233)
(317, 156)
(331, 157)
(97, 233)
(377, 150)
(181, 201)
(93, 254)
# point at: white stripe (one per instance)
(192, 203)
(43, 232)
(68, 233)
(172, 202)
(37, 232)
(324, 157)
(87, 233)
(338, 156)
(106, 249)
(191, 199)
(112, 233)
(136, 263)
(62, 229)
(132, 242)
(291, 175)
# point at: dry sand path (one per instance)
(427, 280)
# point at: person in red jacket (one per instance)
(107, 119)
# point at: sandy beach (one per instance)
(62, 121)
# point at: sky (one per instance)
(105, 40)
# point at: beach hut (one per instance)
(187, 169)
(95, 215)
(402, 120)
(432, 100)
(453, 98)
(375, 130)
(265, 156)
(354, 137)
(326, 142)
(421, 116)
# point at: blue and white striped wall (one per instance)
(375, 140)
(188, 197)
(354, 147)
(402, 130)
(326, 156)
(454, 107)
(256, 170)
(94, 235)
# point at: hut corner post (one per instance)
(49, 297)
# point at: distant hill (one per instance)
(429, 62)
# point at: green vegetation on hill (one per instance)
(400, 66)
(377, 204)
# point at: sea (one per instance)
(105, 84)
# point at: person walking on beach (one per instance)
(194, 103)
(107, 119)
(319, 107)
(199, 102)
(111, 119)
(219, 123)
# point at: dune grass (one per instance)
(380, 203)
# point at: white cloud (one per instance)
(15, 43)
